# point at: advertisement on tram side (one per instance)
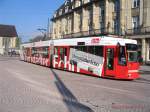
(86, 61)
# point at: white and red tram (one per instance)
(104, 56)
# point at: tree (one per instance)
(37, 38)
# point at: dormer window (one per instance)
(60, 12)
(66, 9)
(66, 2)
(55, 15)
(135, 22)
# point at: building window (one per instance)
(135, 23)
(60, 11)
(149, 50)
(117, 6)
(80, 16)
(136, 3)
(102, 11)
(116, 26)
(117, 17)
(102, 19)
(90, 20)
(4, 42)
(139, 45)
(69, 25)
(102, 28)
(66, 9)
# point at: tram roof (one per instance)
(101, 40)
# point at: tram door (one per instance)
(110, 61)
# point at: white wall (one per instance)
(1, 45)
(10, 41)
(1, 51)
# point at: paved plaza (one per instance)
(26, 87)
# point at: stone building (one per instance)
(8, 37)
(126, 18)
(76, 18)
(140, 26)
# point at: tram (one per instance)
(103, 56)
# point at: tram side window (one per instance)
(45, 52)
(96, 50)
(56, 51)
(34, 51)
(63, 53)
(91, 49)
(122, 56)
(81, 48)
(28, 52)
(38, 52)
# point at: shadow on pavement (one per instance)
(143, 72)
(69, 99)
(142, 80)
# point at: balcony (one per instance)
(95, 32)
(114, 15)
(135, 11)
(138, 31)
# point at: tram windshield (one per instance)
(132, 52)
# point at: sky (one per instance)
(28, 15)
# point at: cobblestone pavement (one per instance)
(26, 87)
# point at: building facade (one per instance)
(140, 26)
(76, 18)
(126, 18)
(8, 38)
